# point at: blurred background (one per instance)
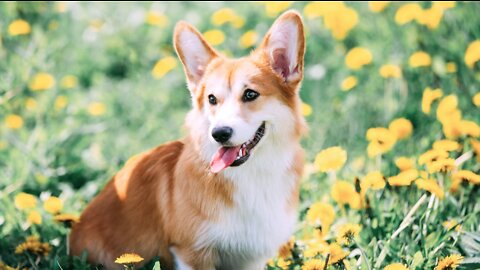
(84, 86)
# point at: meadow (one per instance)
(391, 95)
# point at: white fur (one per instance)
(179, 263)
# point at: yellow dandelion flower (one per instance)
(357, 58)
(3, 266)
(430, 17)
(442, 165)
(156, 18)
(30, 104)
(19, 27)
(472, 54)
(390, 71)
(431, 186)
(340, 21)
(465, 175)
(373, 180)
(313, 264)
(420, 59)
(273, 8)
(163, 66)
(332, 158)
(404, 163)
(450, 224)
(223, 16)
(431, 156)
(381, 140)
(129, 258)
(347, 233)
(285, 250)
(407, 13)
(404, 178)
(214, 37)
(25, 201)
(248, 39)
(283, 263)
(377, 6)
(428, 97)
(321, 213)
(34, 217)
(306, 109)
(476, 99)
(60, 102)
(53, 205)
(476, 148)
(13, 121)
(96, 109)
(316, 9)
(238, 22)
(451, 67)
(443, 4)
(41, 81)
(69, 81)
(449, 262)
(33, 246)
(66, 218)
(446, 108)
(452, 125)
(349, 83)
(395, 266)
(344, 192)
(469, 128)
(446, 145)
(401, 127)
(337, 254)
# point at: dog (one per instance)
(225, 196)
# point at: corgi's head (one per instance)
(243, 105)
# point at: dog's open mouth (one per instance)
(236, 155)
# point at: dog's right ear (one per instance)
(194, 52)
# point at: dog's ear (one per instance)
(194, 52)
(284, 46)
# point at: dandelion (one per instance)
(347, 233)
(321, 213)
(33, 246)
(248, 39)
(450, 224)
(286, 250)
(357, 58)
(340, 21)
(451, 67)
(446, 145)
(163, 66)
(25, 201)
(128, 259)
(223, 16)
(336, 252)
(275, 7)
(472, 54)
(404, 163)
(407, 13)
(19, 27)
(404, 178)
(431, 186)
(476, 148)
(395, 266)
(41, 81)
(306, 109)
(313, 264)
(238, 22)
(465, 175)
(431, 156)
(401, 127)
(428, 97)
(449, 262)
(430, 17)
(469, 128)
(349, 83)
(14, 121)
(444, 5)
(420, 59)
(390, 71)
(66, 218)
(344, 192)
(53, 205)
(442, 165)
(96, 109)
(214, 37)
(373, 180)
(476, 99)
(69, 81)
(156, 18)
(377, 6)
(381, 140)
(332, 158)
(34, 217)
(316, 9)
(30, 104)
(447, 109)
(283, 263)
(60, 102)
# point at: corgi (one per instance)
(225, 196)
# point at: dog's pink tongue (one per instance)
(223, 158)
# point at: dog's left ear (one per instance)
(284, 46)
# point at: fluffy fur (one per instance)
(167, 203)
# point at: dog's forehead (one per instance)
(231, 75)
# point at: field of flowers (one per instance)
(391, 94)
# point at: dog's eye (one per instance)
(250, 95)
(212, 99)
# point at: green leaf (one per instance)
(156, 266)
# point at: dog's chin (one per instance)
(247, 148)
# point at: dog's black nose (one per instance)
(222, 134)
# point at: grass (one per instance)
(79, 133)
